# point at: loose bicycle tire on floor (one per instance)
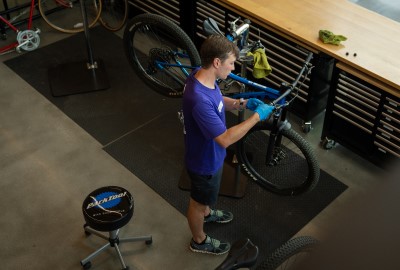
(286, 256)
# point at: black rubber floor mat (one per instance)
(106, 114)
(140, 129)
(155, 154)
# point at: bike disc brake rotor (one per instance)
(29, 40)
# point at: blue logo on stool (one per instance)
(106, 200)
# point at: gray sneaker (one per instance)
(211, 246)
(219, 216)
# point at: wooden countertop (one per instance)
(374, 38)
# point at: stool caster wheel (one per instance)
(328, 143)
(307, 127)
(86, 232)
(126, 268)
(149, 242)
(87, 265)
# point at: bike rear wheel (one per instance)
(66, 15)
(151, 41)
(294, 169)
(114, 14)
(290, 255)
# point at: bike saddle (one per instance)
(210, 27)
(243, 253)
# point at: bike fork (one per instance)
(274, 153)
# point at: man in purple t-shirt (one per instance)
(206, 137)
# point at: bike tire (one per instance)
(296, 170)
(66, 15)
(290, 254)
(114, 14)
(149, 38)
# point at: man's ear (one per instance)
(216, 62)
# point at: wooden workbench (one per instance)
(363, 108)
(374, 39)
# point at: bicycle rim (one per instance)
(290, 255)
(66, 15)
(149, 38)
(114, 14)
(294, 169)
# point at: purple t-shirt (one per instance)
(204, 120)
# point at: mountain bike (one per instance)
(26, 40)
(66, 15)
(272, 153)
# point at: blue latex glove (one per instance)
(252, 103)
(264, 111)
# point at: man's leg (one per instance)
(201, 242)
(195, 216)
(204, 192)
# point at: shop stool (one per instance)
(108, 209)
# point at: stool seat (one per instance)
(108, 208)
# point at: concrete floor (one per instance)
(48, 164)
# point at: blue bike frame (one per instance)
(264, 92)
(242, 32)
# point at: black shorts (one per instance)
(205, 188)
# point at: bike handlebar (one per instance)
(291, 86)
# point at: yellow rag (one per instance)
(327, 36)
(261, 68)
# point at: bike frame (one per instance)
(269, 92)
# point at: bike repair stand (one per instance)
(79, 77)
(233, 182)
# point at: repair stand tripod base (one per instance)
(233, 182)
(78, 77)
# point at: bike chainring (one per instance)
(28, 40)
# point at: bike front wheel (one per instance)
(66, 15)
(114, 14)
(293, 169)
(157, 49)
